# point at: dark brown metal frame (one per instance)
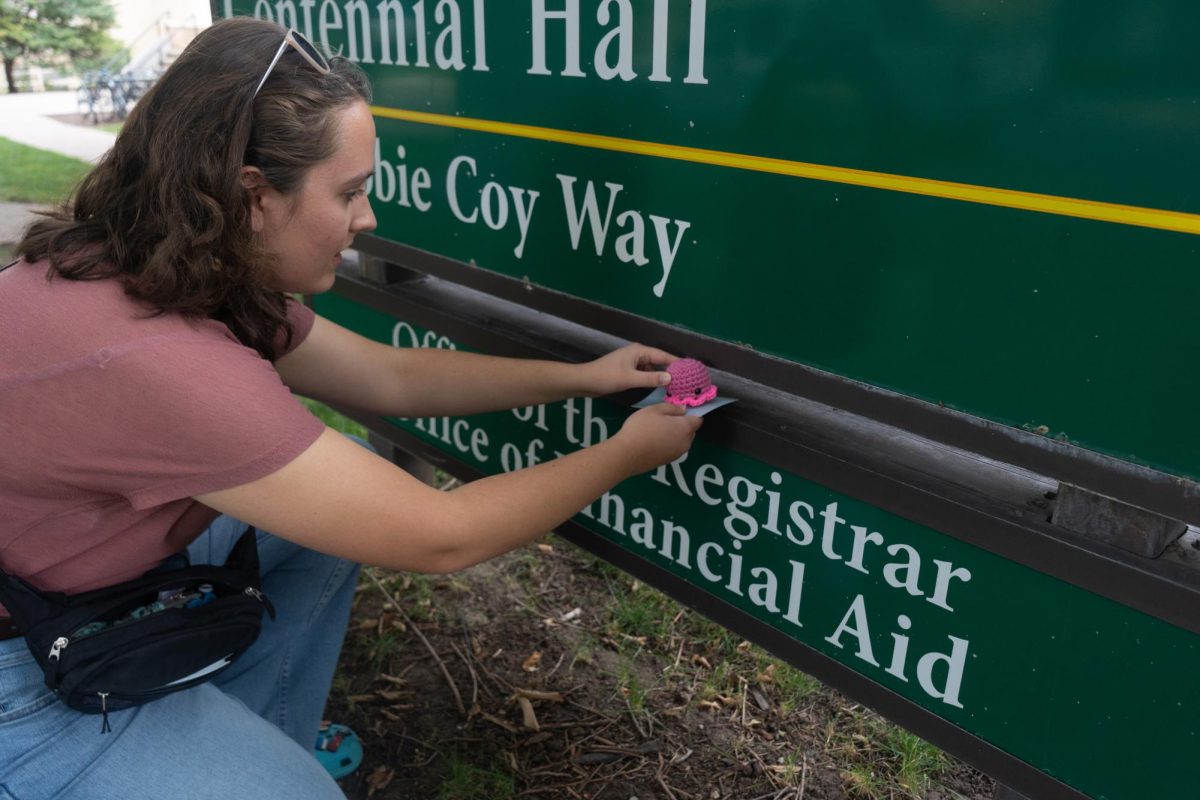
(1136, 485)
(986, 504)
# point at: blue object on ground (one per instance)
(338, 749)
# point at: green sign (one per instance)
(1085, 689)
(990, 208)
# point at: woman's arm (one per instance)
(338, 366)
(341, 499)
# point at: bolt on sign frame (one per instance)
(943, 254)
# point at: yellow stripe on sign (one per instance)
(968, 193)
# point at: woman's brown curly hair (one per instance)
(165, 210)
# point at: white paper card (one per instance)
(656, 397)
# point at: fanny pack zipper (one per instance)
(62, 642)
(104, 726)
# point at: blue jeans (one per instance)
(249, 733)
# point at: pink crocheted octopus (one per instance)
(690, 383)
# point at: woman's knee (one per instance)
(197, 743)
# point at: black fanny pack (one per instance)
(124, 645)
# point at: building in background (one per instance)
(151, 34)
(154, 32)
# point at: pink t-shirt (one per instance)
(112, 420)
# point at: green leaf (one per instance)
(47, 28)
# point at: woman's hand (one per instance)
(657, 435)
(631, 367)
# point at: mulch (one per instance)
(515, 679)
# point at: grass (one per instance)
(469, 781)
(881, 760)
(585, 651)
(639, 611)
(385, 647)
(914, 759)
(37, 176)
(794, 686)
(333, 419)
(417, 589)
(659, 661)
(111, 127)
(862, 782)
(630, 687)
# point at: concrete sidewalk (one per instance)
(25, 118)
(14, 218)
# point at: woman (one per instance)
(147, 359)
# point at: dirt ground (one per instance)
(549, 674)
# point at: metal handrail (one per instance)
(160, 25)
(125, 52)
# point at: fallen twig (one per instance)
(434, 752)
(441, 664)
(663, 781)
(528, 716)
(508, 726)
(474, 677)
(534, 694)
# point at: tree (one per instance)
(41, 28)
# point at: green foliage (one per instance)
(109, 54)
(914, 760)
(794, 685)
(384, 648)
(467, 781)
(862, 782)
(71, 27)
(640, 611)
(585, 651)
(416, 592)
(35, 29)
(883, 760)
(333, 419)
(37, 176)
(629, 686)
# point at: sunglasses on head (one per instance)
(298, 42)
